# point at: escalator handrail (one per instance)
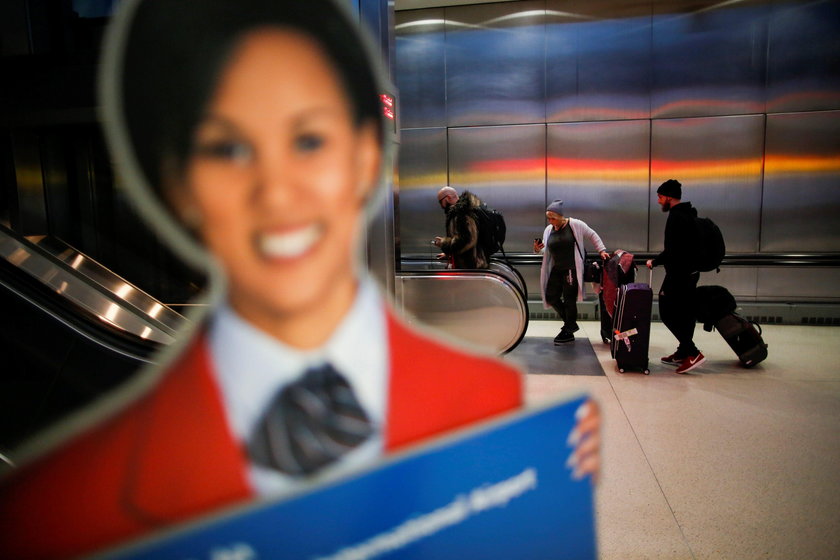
(74, 316)
(520, 284)
(97, 287)
(731, 259)
(94, 271)
(489, 274)
(521, 279)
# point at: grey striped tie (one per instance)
(309, 424)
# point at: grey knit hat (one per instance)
(556, 207)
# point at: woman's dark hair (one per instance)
(176, 49)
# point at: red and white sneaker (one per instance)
(691, 362)
(672, 360)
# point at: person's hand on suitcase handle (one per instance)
(649, 264)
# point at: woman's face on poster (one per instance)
(278, 175)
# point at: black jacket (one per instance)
(681, 240)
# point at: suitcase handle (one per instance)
(757, 326)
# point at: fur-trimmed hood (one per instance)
(467, 201)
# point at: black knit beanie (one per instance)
(672, 188)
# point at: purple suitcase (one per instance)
(631, 327)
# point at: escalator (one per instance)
(487, 308)
(70, 330)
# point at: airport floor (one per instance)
(723, 462)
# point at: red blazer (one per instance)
(170, 455)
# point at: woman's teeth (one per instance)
(290, 244)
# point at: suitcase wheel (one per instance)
(620, 370)
(647, 372)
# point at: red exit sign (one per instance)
(388, 106)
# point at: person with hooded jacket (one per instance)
(561, 273)
(461, 243)
(677, 294)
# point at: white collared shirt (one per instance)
(251, 367)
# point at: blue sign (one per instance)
(501, 491)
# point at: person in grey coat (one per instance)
(561, 274)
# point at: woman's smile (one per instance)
(289, 244)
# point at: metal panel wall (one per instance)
(740, 280)
(802, 183)
(719, 162)
(712, 81)
(751, 284)
(531, 275)
(770, 284)
(421, 68)
(505, 167)
(597, 60)
(786, 284)
(377, 16)
(600, 171)
(422, 165)
(495, 63)
(708, 59)
(803, 70)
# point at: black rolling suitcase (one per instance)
(744, 337)
(631, 327)
(716, 306)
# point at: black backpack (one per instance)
(491, 230)
(711, 248)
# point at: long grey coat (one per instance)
(580, 231)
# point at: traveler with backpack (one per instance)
(464, 221)
(682, 258)
(561, 274)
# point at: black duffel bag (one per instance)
(712, 304)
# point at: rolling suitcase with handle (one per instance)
(744, 337)
(631, 327)
(716, 307)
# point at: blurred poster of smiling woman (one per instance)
(249, 134)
